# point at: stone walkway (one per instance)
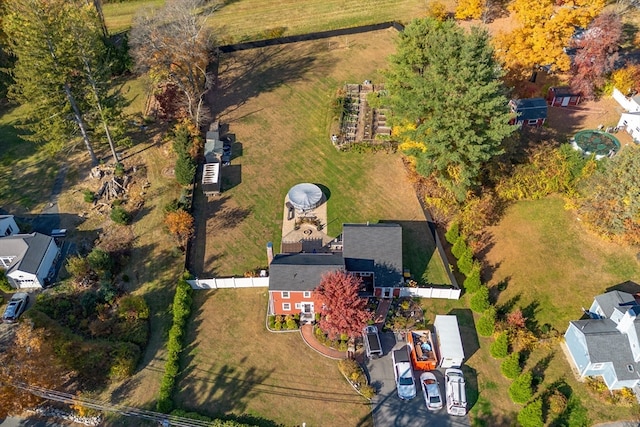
(308, 337)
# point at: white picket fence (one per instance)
(439, 293)
(230, 282)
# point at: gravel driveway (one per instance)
(387, 408)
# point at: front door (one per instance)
(307, 308)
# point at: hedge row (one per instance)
(181, 312)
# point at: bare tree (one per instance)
(175, 46)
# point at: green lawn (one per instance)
(547, 264)
(254, 19)
(277, 102)
(234, 366)
(21, 165)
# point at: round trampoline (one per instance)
(305, 196)
(597, 142)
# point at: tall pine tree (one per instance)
(444, 89)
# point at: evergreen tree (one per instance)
(531, 415)
(510, 367)
(480, 300)
(445, 84)
(500, 347)
(487, 322)
(473, 281)
(520, 389)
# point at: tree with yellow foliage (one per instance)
(627, 79)
(545, 30)
(437, 10)
(470, 9)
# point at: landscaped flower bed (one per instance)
(354, 373)
(289, 322)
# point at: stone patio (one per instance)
(306, 234)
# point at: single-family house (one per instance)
(562, 96)
(607, 343)
(372, 252)
(8, 225)
(28, 259)
(529, 111)
(630, 119)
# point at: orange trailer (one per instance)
(423, 350)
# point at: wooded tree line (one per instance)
(62, 62)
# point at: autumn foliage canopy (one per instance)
(344, 312)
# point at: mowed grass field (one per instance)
(241, 20)
(234, 366)
(543, 261)
(277, 102)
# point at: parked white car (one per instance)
(431, 391)
(403, 373)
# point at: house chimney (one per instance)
(269, 252)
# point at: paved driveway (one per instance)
(388, 410)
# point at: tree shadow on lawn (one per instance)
(418, 246)
(243, 76)
(470, 341)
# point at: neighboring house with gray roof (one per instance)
(372, 252)
(607, 344)
(28, 259)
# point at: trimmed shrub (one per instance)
(88, 196)
(487, 322)
(181, 312)
(465, 262)
(119, 215)
(520, 390)
(480, 300)
(500, 347)
(473, 282)
(577, 414)
(453, 233)
(185, 169)
(510, 367)
(531, 415)
(459, 247)
(100, 261)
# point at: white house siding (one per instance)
(628, 103)
(8, 226)
(631, 123)
(22, 280)
(577, 348)
(47, 262)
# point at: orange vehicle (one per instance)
(423, 350)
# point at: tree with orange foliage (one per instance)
(344, 311)
(180, 224)
(28, 359)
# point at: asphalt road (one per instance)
(389, 410)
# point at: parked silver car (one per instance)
(16, 307)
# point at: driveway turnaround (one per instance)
(389, 410)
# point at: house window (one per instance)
(630, 368)
(285, 294)
(532, 122)
(306, 294)
(367, 274)
(298, 306)
(286, 306)
(597, 366)
(624, 123)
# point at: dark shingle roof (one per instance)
(605, 344)
(29, 249)
(530, 108)
(301, 272)
(613, 300)
(376, 248)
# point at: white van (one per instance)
(455, 391)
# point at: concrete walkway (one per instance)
(306, 331)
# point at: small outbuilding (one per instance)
(529, 111)
(562, 96)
